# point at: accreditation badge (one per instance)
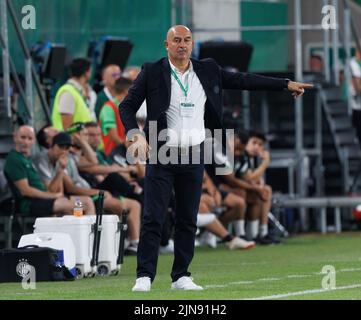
(187, 109)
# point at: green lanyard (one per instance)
(185, 90)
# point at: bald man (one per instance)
(184, 97)
(31, 194)
(110, 74)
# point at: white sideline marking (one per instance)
(299, 276)
(350, 269)
(215, 286)
(269, 279)
(241, 282)
(290, 276)
(301, 293)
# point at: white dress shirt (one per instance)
(355, 72)
(186, 131)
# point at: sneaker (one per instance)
(264, 241)
(239, 243)
(185, 283)
(169, 248)
(272, 238)
(142, 284)
(131, 250)
(208, 239)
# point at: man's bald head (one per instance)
(25, 129)
(110, 74)
(24, 138)
(176, 29)
(179, 43)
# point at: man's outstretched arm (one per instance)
(250, 81)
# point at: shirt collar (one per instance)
(108, 94)
(76, 84)
(190, 69)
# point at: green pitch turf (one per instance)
(291, 270)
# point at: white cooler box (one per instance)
(109, 245)
(54, 240)
(81, 231)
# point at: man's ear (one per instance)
(166, 44)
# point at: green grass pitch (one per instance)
(291, 270)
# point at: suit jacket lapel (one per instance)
(202, 75)
(166, 75)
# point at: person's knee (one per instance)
(64, 206)
(132, 205)
(203, 208)
(241, 203)
(89, 205)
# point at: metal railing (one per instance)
(30, 74)
(323, 203)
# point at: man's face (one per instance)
(87, 75)
(57, 151)
(110, 75)
(24, 139)
(120, 97)
(358, 54)
(238, 146)
(254, 146)
(179, 43)
(50, 133)
(94, 137)
(316, 64)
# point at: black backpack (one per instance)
(17, 264)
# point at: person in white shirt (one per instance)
(355, 88)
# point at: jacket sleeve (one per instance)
(132, 102)
(249, 81)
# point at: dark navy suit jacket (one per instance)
(153, 84)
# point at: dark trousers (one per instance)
(356, 121)
(159, 183)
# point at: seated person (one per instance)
(114, 178)
(45, 136)
(31, 194)
(246, 181)
(51, 165)
(235, 204)
(112, 129)
(208, 220)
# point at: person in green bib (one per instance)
(112, 129)
(110, 74)
(75, 101)
(30, 193)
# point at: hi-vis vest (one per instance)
(81, 111)
(109, 145)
